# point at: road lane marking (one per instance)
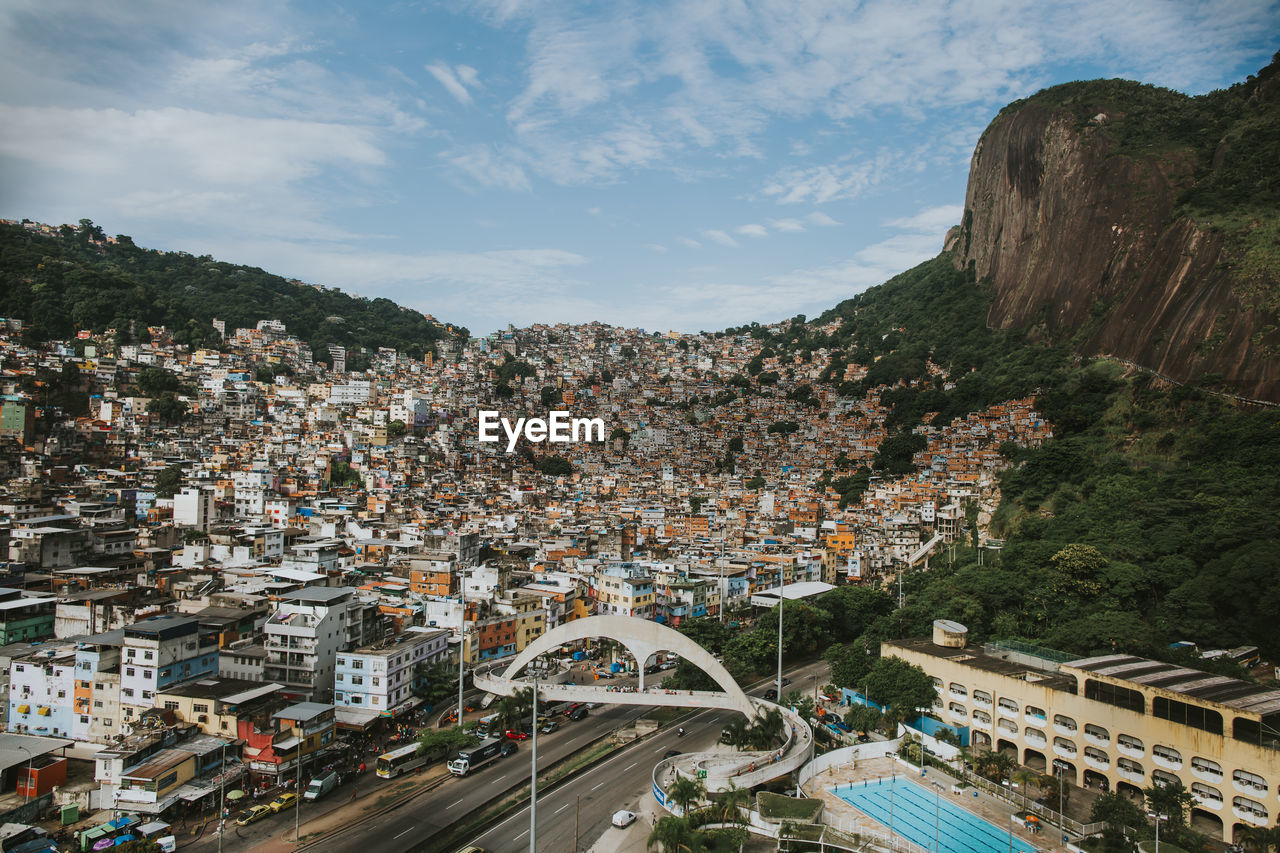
(522, 835)
(451, 805)
(562, 808)
(406, 832)
(597, 785)
(629, 766)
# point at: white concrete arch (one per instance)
(642, 638)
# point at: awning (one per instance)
(287, 744)
(354, 718)
(24, 709)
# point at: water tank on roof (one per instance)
(948, 634)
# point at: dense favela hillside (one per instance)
(1137, 222)
(66, 279)
(1073, 501)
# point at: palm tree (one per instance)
(1262, 839)
(735, 733)
(729, 804)
(673, 835)
(1025, 777)
(684, 792)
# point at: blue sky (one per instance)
(685, 165)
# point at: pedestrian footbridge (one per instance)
(718, 770)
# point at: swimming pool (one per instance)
(913, 816)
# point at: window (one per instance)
(1130, 742)
(356, 663)
(1098, 733)
(1112, 694)
(83, 718)
(376, 681)
(1064, 722)
(1188, 715)
(1033, 711)
(982, 697)
(128, 670)
(128, 691)
(1205, 767)
(1206, 792)
(148, 654)
(200, 708)
(1253, 781)
(356, 679)
(171, 706)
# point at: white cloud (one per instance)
(454, 80)
(657, 248)
(753, 230)
(688, 242)
(717, 236)
(931, 220)
(820, 218)
(786, 225)
(487, 168)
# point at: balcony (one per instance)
(1008, 727)
(1166, 757)
(1207, 795)
(1064, 725)
(981, 720)
(1249, 783)
(1130, 770)
(1096, 735)
(958, 713)
(1130, 746)
(1064, 747)
(1206, 769)
(982, 698)
(1035, 737)
(1008, 708)
(1096, 758)
(1035, 716)
(1250, 811)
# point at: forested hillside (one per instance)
(79, 280)
(1153, 515)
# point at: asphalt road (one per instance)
(425, 816)
(620, 782)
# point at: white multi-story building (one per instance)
(162, 652)
(378, 680)
(306, 633)
(195, 507)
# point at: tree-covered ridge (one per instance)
(1231, 135)
(78, 280)
(1152, 516)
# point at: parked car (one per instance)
(578, 714)
(624, 818)
(604, 673)
(672, 753)
(591, 706)
(255, 813)
(841, 725)
(512, 734)
(568, 712)
(549, 727)
(283, 801)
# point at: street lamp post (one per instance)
(1011, 833)
(222, 803)
(1158, 817)
(781, 599)
(26, 784)
(533, 773)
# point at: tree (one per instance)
(434, 681)
(169, 481)
(396, 428)
(554, 466)
(1117, 811)
(446, 740)
(862, 718)
(850, 663)
(801, 703)
(674, 835)
(684, 792)
(902, 686)
(168, 407)
(1262, 839)
(1171, 800)
(729, 804)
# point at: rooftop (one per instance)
(1219, 689)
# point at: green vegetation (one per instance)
(554, 466)
(58, 285)
(444, 740)
(776, 807)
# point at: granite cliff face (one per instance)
(1135, 223)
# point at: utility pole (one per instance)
(297, 804)
(533, 775)
(222, 786)
(577, 810)
(781, 599)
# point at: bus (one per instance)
(487, 725)
(403, 760)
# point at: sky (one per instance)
(684, 165)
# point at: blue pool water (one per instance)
(959, 831)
